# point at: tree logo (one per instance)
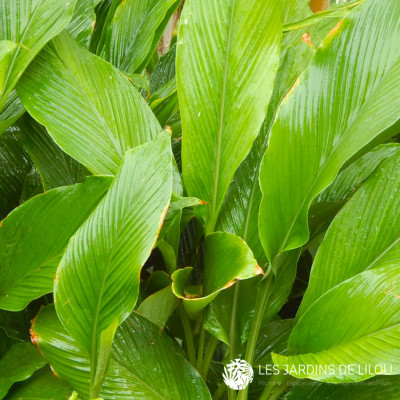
(238, 374)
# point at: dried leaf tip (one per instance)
(258, 271)
(335, 29)
(306, 38)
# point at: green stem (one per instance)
(187, 329)
(219, 392)
(234, 327)
(277, 385)
(261, 303)
(210, 350)
(200, 352)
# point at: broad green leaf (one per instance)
(98, 278)
(318, 128)
(18, 364)
(83, 21)
(159, 306)
(56, 167)
(12, 110)
(145, 363)
(34, 236)
(89, 108)
(15, 165)
(379, 388)
(227, 259)
(223, 89)
(132, 36)
(164, 71)
(351, 333)
(43, 385)
(365, 234)
(329, 202)
(25, 27)
(32, 186)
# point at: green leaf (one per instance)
(132, 36)
(15, 165)
(332, 12)
(379, 388)
(25, 27)
(331, 335)
(145, 362)
(83, 21)
(159, 306)
(273, 337)
(96, 115)
(18, 364)
(222, 113)
(365, 234)
(12, 110)
(43, 385)
(98, 278)
(56, 167)
(318, 129)
(34, 236)
(227, 259)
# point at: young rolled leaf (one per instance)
(318, 128)
(342, 345)
(227, 259)
(365, 234)
(132, 36)
(96, 114)
(98, 278)
(25, 27)
(223, 90)
(18, 364)
(145, 363)
(28, 262)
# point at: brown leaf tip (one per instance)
(306, 38)
(335, 29)
(258, 271)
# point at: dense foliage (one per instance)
(187, 183)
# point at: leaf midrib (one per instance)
(222, 111)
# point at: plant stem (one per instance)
(219, 392)
(234, 327)
(210, 350)
(276, 387)
(200, 351)
(187, 329)
(261, 303)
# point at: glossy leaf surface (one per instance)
(86, 118)
(28, 262)
(330, 334)
(145, 363)
(318, 128)
(223, 90)
(25, 27)
(98, 278)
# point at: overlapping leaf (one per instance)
(25, 27)
(98, 278)
(145, 364)
(133, 34)
(34, 236)
(89, 108)
(223, 90)
(318, 128)
(12, 110)
(351, 333)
